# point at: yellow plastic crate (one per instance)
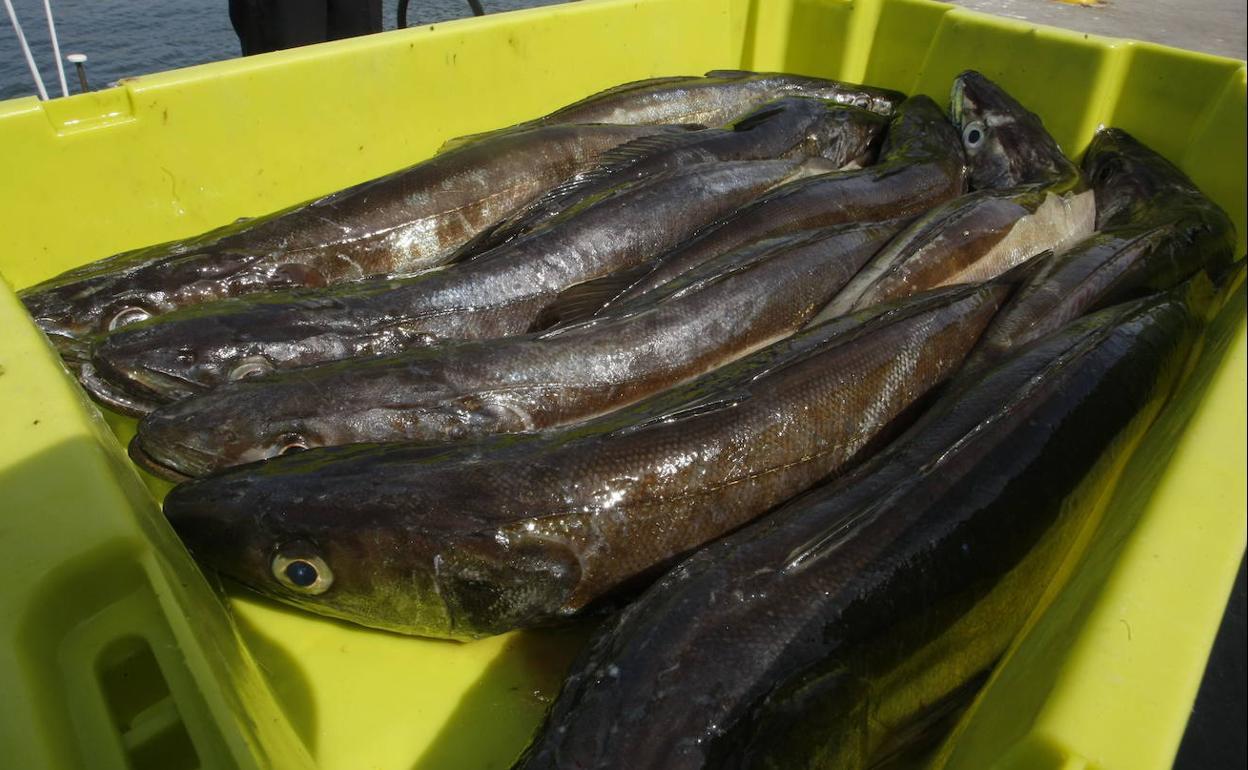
(115, 651)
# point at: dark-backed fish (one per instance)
(921, 165)
(728, 308)
(494, 295)
(811, 637)
(401, 223)
(714, 99)
(1156, 230)
(795, 126)
(478, 538)
(1029, 198)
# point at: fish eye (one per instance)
(250, 367)
(126, 316)
(303, 574)
(291, 443)
(973, 134)
(1104, 172)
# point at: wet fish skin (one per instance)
(483, 537)
(734, 305)
(1147, 244)
(400, 223)
(1134, 183)
(1012, 148)
(990, 230)
(494, 295)
(794, 126)
(760, 650)
(717, 98)
(921, 165)
(971, 238)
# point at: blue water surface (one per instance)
(123, 38)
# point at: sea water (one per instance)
(124, 38)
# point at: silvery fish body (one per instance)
(730, 307)
(795, 126)
(1029, 198)
(921, 165)
(1156, 230)
(815, 636)
(494, 295)
(404, 222)
(714, 99)
(483, 537)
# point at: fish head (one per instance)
(73, 309)
(235, 424)
(848, 135)
(1006, 144)
(317, 554)
(130, 288)
(391, 537)
(134, 370)
(1126, 175)
(357, 401)
(192, 350)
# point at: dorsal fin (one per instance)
(478, 244)
(839, 531)
(730, 74)
(687, 412)
(582, 301)
(755, 119)
(711, 272)
(611, 164)
(632, 85)
(567, 194)
(455, 143)
(524, 221)
(630, 152)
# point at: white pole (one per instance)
(56, 47)
(30, 60)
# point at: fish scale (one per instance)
(921, 165)
(714, 99)
(784, 632)
(1156, 229)
(494, 295)
(404, 222)
(738, 304)
(789, 127)
(634, 489)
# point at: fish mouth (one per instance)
(109, 394)
(955, 101)
(74, 350)
(140, 457)
(133, 393)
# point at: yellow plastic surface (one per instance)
(114, 650)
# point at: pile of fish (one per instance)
(801, 380)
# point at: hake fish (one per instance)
(1029, 198)
(921, 165)
(496, 294)
(401, 223)
(795, 126)
(736, 304)
(779, 647)
(714, 99)
(1156, 230)
(479, 538)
